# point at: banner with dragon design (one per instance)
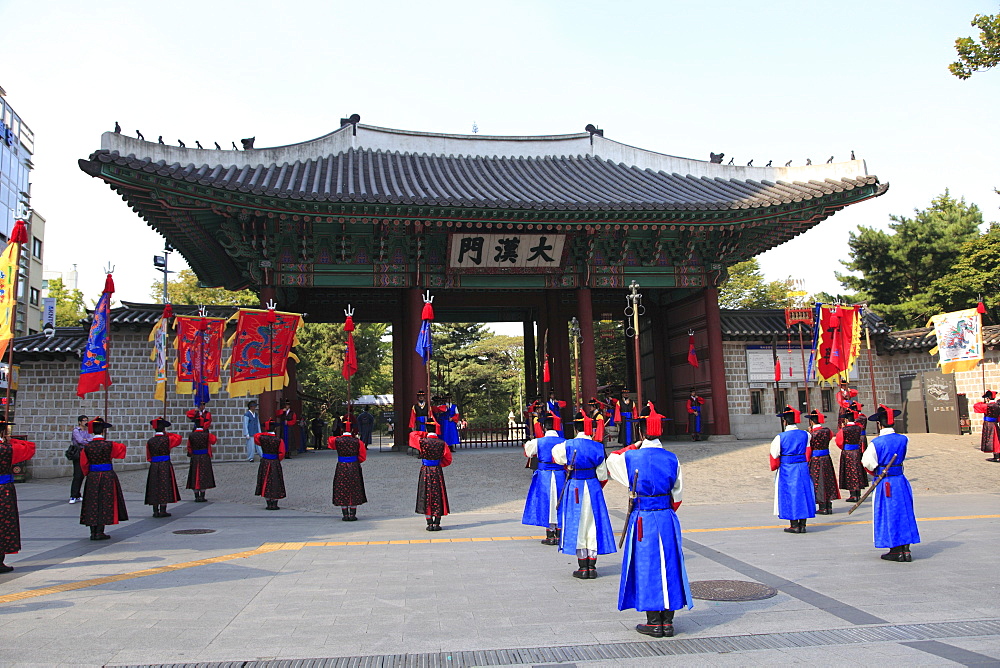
(837, 341)
(262, 345)
(959, 338)
(199, 356)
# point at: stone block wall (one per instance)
(47, 408)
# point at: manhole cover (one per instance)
(730, 590)
(193, 531)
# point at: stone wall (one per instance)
(47, 408)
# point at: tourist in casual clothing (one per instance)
(348, 481)
(316, 426)
(80, 438)
(895, 525)
(794, 497)
(432, 495)
(821, 464)
(251, 427)
(270, 478)
(540, 507)
(654, 578)
(583, 514)
(200, 474)
(161, 482)
(12, 451)
(103, 501)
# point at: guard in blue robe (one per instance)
(895, 525)
(540, 508)
(654, 578)
(448, 418)
(583, 514)
(794, 496)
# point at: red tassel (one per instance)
(109, 285)
(428, 312)
(777, 370)
(546, 376)
(888, 489)
(981, 308)
(19, 235)
(168, 311)
(638, 529)
(349, 324)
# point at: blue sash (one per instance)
(200, 452)
(895, 469)
(100, 467)
(550, 466)
(654, 502)
(989, 419)
(431, 462)
(347, 460)
(267, 456)
(794, 459)
(160, 458)
(584, 474)
(4, 479)
(821, 453)
(851, 446)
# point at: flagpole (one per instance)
(805, 372)
(871, 364)
(634, 298)
(349, 312)
(427, 367)
(13, 322)
(110, 269)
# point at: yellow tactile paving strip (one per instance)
(275, 547)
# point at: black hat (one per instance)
(98, 426)
(419, 392)
(790, 415)
(885, 416)
(159, 424)
(816, 416)
(989, 395)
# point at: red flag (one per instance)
(262, 345)
(546, 376)
(777, 370)
(692, 355)
(350, 356)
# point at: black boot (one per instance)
(793, 526)
(802, 526)
(557, 535)
(437, 523)
(156, 510)
(592, 569)
(904, 553)
(4, 568)
(584, 571)
(352, 514)
(855, 495)
(550, 538)
(163, 510)
(100, 533)
(892, 554)
(430, 523)
(667, 620)
(93, 533)
(347, 515)
(199, 496)
(652, 627)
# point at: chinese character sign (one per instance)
(513, 251)
(960, 340)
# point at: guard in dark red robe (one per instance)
(853, 476)
(846, 395)
(103, 501)
(348, 482)
(12, 451)
(821, 464)
(270, 480)
(161, 483)
(990, 409)
(432, 496)
(199, 449)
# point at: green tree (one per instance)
(321, 357)
(975, 274)
(974, 56)
(70, 309)
(898, 267)
(609, 351)
(745, 287)
(185, 289)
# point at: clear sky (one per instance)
(761, 80)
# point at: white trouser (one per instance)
(253, 450)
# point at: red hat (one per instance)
(791, 415)
(816, 416)
(159, 423)
(654, 421)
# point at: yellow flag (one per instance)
(960, 340)
(8, 295)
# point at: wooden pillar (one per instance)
(401, 386)
(717, 367)
(561, 362)
(530, 360)
(588, 365)
(269, 399)
(661, 363)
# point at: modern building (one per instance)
(17, 144)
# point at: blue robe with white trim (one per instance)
(894, 521)
(653, 573)
(546, 484)
(584, 514)
(795, 498)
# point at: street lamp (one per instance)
(160, 264)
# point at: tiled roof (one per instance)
(67, 342)
(134, 313)
(753, 324)
(565, 183)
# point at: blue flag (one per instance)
(425, 347)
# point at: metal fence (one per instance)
(491, 435)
